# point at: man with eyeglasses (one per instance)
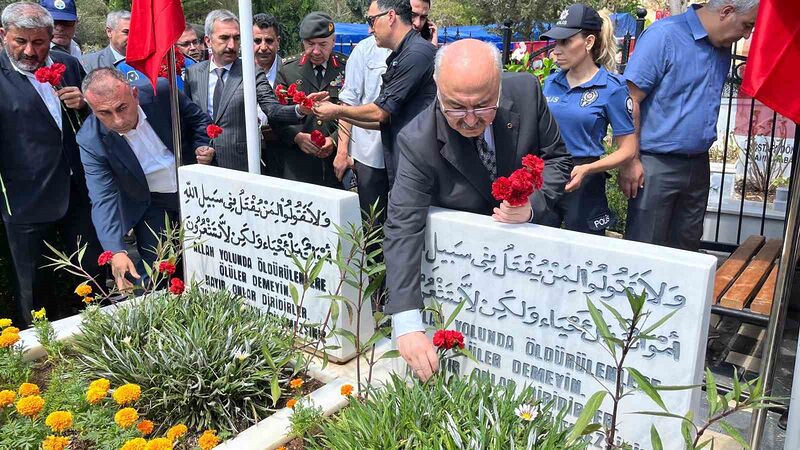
(420, 20)
(408, 86)
(190, 45)
(482, 125)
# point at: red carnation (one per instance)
(213, 131)
(455, 339)
(280, 89)
(447, 339)
(42, 74)
(440, 338)
(282, 100)
(521, 187)
(292, 90)
(51, 74)
(298, 97)
(105, 258)
(317, 138)
(176, 286)
(501, 188)
(533, 163)
(307, 103)
(166, 267)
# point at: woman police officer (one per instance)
(584, 97)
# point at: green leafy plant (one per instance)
(540, 68)
(305, 418)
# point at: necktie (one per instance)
(218, 90)
(320, 77)
(487, 156)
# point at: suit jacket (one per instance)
(117, 185)
(440, 167)
(231, 146)
(295, 164)
(37, 158)
(100, 58)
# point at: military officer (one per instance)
(317, 69)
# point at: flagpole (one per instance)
(175, 113)
(249, 87)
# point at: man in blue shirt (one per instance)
(675, 77)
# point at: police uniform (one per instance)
(583, 114)
(293, 163)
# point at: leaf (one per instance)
(660, 322)
(602, 326)
(711, 394)
(276, 390)
(623, 324)
(646, 387)
(686, 429)
(315, 272)
(390, 354)
(734, 433)
(655, 439)
(347, 334)
(591, 407)
(455, 312)
(295, 294)
(466, 352)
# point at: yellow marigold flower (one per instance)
(127, 394)
(135, 444)
(30, 406)
(297, 383)
(176, 432)
(28, 389)
(145, 427)
(159, 444)
(59, 421)
(94, 396)
(55, 443)
(5, 323)
(291, 402)
(7, 397)
(208, 440)
(347, 389)
(8, 339)
(39, 315)
(83, 290)
(100, 384)
(126, 417)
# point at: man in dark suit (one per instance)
(40, 164)
(449, 156)
(118, 24)
(127, 152)
(216, 86)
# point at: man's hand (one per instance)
(434, 32)
(631, 178)
(341, 163)
(576, 178)
(120, 263)
(326, 149)
(205, 154)
(418, 351)
(513, 214)
(72, 97)
(321, 96)
(326, 111)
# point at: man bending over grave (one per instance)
(449, 157)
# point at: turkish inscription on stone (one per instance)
(247, 227)
(526, 319)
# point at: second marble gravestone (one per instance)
(525, 288)
(247, 227)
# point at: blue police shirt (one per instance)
(683, 75)
(584, 112)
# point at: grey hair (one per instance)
(739, 5)
(496, 58)
(91, 80)
(113, 18)
(26, 16)
(222, 15)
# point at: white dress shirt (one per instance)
(74, 48)
(212, 82)
(411, 320)
(362, 85)
(45, 91)
(158, 163)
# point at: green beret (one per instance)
(316, 25)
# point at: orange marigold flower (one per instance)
(88, 300)
(55, 443)
(28, 389)
(59, 421)
(347, 389)
(281, 448)
(100, 384)
(7, 397)
(176, 432)
(291, 402)
(83, 290)
(297, 383)
(145, 427)
(30, 406)
(94, 396)
(8, 339)
(126, 417)
(208, 440)
(127, 394)
(159, 444)
(135, 444)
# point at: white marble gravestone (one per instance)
(526, 284)
(246, 227)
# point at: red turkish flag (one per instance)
(770, 74)
(155, 27)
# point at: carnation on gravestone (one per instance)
(176, 286)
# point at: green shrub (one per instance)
(457, 413)
(207, 360)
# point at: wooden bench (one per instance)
(747, 278)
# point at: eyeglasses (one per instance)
(193, 43)
(371, 19)
(484, 113)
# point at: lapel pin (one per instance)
(509, 126)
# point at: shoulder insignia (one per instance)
(303, 59)
(289, 60)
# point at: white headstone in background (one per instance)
(525, 285)
(250, 225)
